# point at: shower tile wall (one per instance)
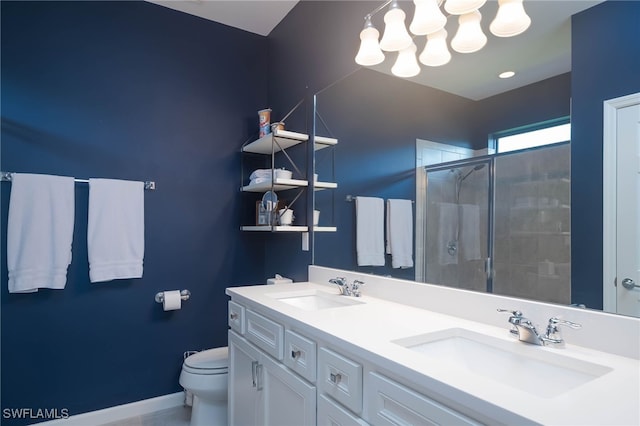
(532, 246)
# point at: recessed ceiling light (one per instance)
(507, 74)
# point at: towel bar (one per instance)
(6, 177)
(349, 198)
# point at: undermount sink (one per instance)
(519, 365)
(314, 300)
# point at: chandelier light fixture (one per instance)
(429, 21)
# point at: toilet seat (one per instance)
(211, 361)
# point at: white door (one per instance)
(288, 400)
(628, 211)
(244, 397)
(620, 213)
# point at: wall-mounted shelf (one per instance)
(278, 185)
(325, 228)
(284, 138)
(324, 142)
(325, 185)
(267, 228)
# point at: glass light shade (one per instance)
(436, 52)
(428, 18)
(395, 37)
(369, 53)
(461, 7)
(510, 20)
(406, 65)
(469, 37)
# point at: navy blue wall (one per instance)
(606, 64)
(127, 90)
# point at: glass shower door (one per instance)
(458, 225)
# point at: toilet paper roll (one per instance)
(172, 300)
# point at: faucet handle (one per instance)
(355, 287)
(515, 318)
(514, 313)
(557, 321)
(553, 335)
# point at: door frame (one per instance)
(609, 198)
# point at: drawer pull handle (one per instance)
(295, 354)
(233, 316)
(335, 378)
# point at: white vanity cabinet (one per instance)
(279, 376)
(262, 391)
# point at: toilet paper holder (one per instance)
(184, 295)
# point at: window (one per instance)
(531, 136)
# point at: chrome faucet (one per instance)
(527, 332)
(347, 289)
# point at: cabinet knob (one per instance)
(233, 316)
(295, 354)
(335, 378)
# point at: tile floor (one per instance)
(178, 416)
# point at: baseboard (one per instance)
(120, 412)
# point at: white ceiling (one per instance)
(543, 51)
(256, 16)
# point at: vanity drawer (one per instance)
(265, 334)
(236, 317)
(330, 413)
(340, 378)
(390, 403)
(300, 355)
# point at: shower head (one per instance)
(476, 168)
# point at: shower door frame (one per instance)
(421, 199)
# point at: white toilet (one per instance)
(205, 375)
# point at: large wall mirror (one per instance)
(519, 202)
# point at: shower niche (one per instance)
(500, 224)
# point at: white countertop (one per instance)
(368, 329)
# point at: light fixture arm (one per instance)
(369, 15)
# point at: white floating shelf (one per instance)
(267, 228)
(278, 185)
(324, 142)
(325, 229)
(285, 139)
(325, 185)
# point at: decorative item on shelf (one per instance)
(277, 126)
(428, 20)
(285, 216)
(266, 209)
(264, 116)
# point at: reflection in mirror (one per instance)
(379, 118)
(501, 225)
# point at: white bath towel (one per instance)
(370, 231)
(400, 233)
(447, 225)
(469, 234)
(39, 231)
(115, 234)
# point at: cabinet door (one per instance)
(244, 397)
(288, 400)
(391, 403)
(330, 413)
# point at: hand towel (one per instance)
(469, 234)
(447, 224)
(400, 233)
(115, 231)
(370, 231)
(39, 231)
